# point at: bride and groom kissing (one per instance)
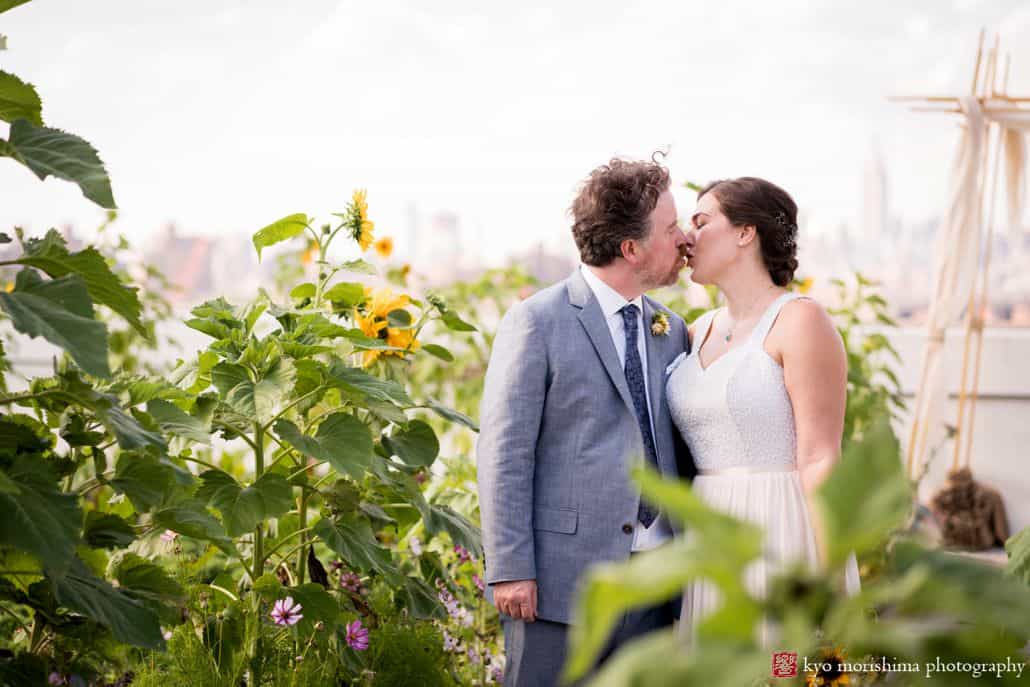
(589, 374)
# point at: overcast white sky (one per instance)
(223, 116)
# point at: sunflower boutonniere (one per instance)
(659, 324)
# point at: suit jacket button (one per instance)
(627, 528)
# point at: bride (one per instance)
(760, 398)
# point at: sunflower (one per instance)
(310, 253)
(381, 302)
(360, 225)
(829, 670)
(384, 247)
(372, 319)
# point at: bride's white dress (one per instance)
(737, 419)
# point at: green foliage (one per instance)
(44, 150)
(19, 100)
(409, 655)
(53, 152)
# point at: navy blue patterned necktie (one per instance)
(634, 369)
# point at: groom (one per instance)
(575, 392)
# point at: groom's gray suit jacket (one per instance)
(558, 437)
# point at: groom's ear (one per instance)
(630, 249)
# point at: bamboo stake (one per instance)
(985, 284)
(972, 315)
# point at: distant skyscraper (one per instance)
(874, 197)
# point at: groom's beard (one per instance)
(652, 279)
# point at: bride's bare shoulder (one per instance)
(806, 323)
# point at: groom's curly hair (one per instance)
(615, 204)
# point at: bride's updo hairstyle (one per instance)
(766, 206)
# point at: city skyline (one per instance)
(233, 114)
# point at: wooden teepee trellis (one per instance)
(994, 125)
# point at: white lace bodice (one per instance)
(735, 412)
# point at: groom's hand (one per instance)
(516, 599)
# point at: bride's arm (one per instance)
(815, 372)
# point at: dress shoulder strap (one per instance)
(701, 327)
(761, 330)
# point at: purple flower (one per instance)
(351, 582)
(357, 636)
(168, 536)
(56, 678)
(497, 673)
(463, 554)
(286, 612)
(478, 581)
(450, 642)
(415, 546)
(336, 565)
(473, 656)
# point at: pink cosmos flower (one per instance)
(286, 612)
(357, 636)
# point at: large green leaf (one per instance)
(352, 378)
(420, 599)
(19, 100)
(342, 439)
(126, 429)
(143, 579)
(348, 294)
(128, 619)
(1018, 548)
(107, 531)
(452, 321)
(280, 230)
(52, 152)
(243, 508)
(460, 529)
(452, 415)
(659, 659)
(51, 255)
(9, 4)
(866, 496)
(143, 479)
(174, 420)
(190, 518)
(719, 550)
(352, 539)
(259, 400)
(415, 444)
(39, 518)
(61, 312)
(226, 376)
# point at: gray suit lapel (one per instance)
(655, 368)
(592, 319)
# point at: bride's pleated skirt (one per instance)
(774, 501)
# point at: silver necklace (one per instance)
(733, 327)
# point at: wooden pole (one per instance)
(972, 315)
(985, 284)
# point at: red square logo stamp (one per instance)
(785, 664)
